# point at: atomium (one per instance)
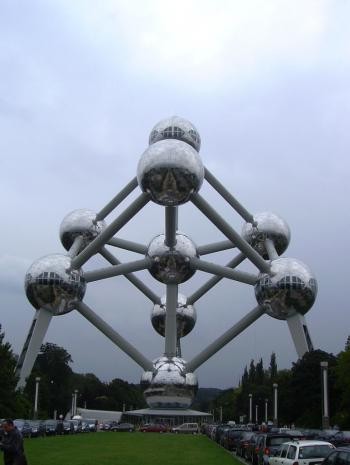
(171, 265)
(80, 223)
(290, 288)
(170, 171)
(186, 317)
(176, 128)
(52, 285)
(267, 225)
(169, 385)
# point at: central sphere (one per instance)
(50, 283)
(169, 385)
(186, 316)
(170, 171)
(83, 223)
(268, 226)
(171, 265)
(290, 288)
(178, 128)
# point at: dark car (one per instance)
(339, 456)
(242, 444)
(252, 449)
(50, 427)
(154, 428)
(37, 428)
(269, 444)
(24, 427)
(231, 438)
(123, 427)
(337, 438)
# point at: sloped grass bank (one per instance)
(126, 449)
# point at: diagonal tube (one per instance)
(215, 247)
(74, 250)
(117, 270)
(128, 245)
(117, 199)
(271, 250)
(170, 320)
(225, 338)
(216, 184)
(109, 232)
(223, 271)
(132, 278)
(115, 337)
(230, 233)
(170, 226)
(214, 280)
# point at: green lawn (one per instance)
(126, 449)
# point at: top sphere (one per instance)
(50, 283)
(290, 288)
(268, 226)
(83, 223)
(176, 128)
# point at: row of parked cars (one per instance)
(37, 428)
(189, 428)
(284, 446)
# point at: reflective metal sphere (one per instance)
(171, 265)
(169, 386)
(186, 316)
(170, 171)
(290, 288)
(50, 284)
(176, 128)
(80, 222)
(269, 226)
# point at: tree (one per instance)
(273, 367)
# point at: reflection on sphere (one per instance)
(83, 223)
(178, 128)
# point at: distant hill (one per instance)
(204, 398)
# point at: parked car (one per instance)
(186, 428)
(50, 427)
(242, 444)
(154, 428)
(24, 427)
(76, 425)
(308, 452)
(269, 445)
(252, 449)
(337, 438)
(231, 438)
(37, 428)
(123, 427)
(339, 456)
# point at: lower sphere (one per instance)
(50, 283)
(169, 385)
(289, 288)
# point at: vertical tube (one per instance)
(170, 226)
(250, 408)
(37, 381)
(170, 320)
(325, 405)
(275, 404)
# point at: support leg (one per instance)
(170, 320)
(300, 334)
(32, 345)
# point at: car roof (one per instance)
(308, 442)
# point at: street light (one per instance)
(37, 381)
(275, 404)
(266, 402)
(250, 408)
(325, 405)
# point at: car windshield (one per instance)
(314, 452)
(278, 441)
(18, 423)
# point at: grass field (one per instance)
(126, 449)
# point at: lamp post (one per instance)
(275, 404)
(37, 381)
(266, 402)
(75, 401)
(256, 414)
(250, 408)
(325, 404)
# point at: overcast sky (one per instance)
(266, 83)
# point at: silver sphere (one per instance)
(269, 226)
(169, 385)
(186, 316)
(52, 285)
(170, 171)
(290, 288)
(83, 223)
(176, 127)
(171, 265)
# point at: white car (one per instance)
(302, 453)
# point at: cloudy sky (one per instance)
(267, 85)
